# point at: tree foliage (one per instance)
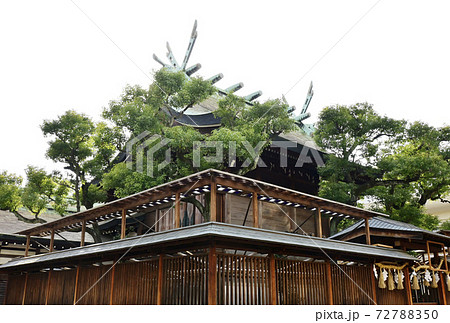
(398, 166)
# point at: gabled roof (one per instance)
(382, 223)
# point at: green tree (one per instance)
(398, 166)
(249, 128)
(10, 191)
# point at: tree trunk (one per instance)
(27, 220)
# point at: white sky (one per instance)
(52, 58)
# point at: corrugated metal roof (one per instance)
(217, 230)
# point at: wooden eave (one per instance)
(186, 185)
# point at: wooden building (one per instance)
(258, 243)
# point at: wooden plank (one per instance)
(76, 286)
(272, 280)
(52, 240)
(177, 210)
(367, 231)
(160, 280)
(329, 284)
(83, 233)
(27, 248)
(25, 288)
(212, 275)
(255, 210)
(408, 287)
(213, 204)
(111, 296)
(123, 225)
(49, 277)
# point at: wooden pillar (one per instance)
(76, 286)
(272, 280)
(408, 287)
(213, 204)
(27, 248)
(49, 277)
(374, 288)
(212, 276)
(443, 292)
(319, 223)
(366, 220)
(255, 210)
(112, 283)
(177, 210)
(160, 280)
(124, 224)
(25, 289)
(329, 284)
(83, 233)
(52, 240)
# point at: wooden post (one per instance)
(27, 248)
(49, 277)
(442, 289)
(367, 231)
(408, 287)
(329, 284)
(112, 283)
(76, 286)
(124, 224)
(177, 210)
(25, 289)
(374, 288)
(52, 240)
(255, 210)
(319, 223)
(160, 280)
(213, 204)
(212, 276)
(272, 280)
(83, 233)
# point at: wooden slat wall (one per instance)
(391, 297)
(101, 290)
(135, 283)
(185, 280)
(352, 285)
(62, 287)
(242, 280)
(300, 282)
(14, 290)
(36, 289)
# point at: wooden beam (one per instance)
(443, 291)
(319, 223)
(123, 224)
(374, 288)
(407, 287)
(329, 284)
(272, 280)
(49, 277)
(52, 240)
(177, 210)
(27, 248)
(213, 204)
(112, 283)
(255, 210)
(83, 233)
(160, 280)
(212, 276)
(25, 289)
(366, 220)
(76, 286)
